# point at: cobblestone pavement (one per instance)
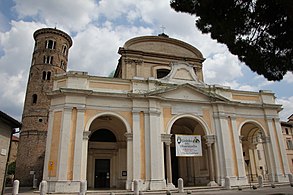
(278, 190)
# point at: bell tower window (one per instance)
(35, 98)
(50, 44)
(64, 49)
(48, 59)
(46, 75)
(62, 65)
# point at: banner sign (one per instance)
(188, 145)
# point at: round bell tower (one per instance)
(50, 57)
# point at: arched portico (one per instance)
(107, 151)
(255, 151)
(197, 170)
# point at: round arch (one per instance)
(107, 156)
(90, 121)
(206, 129)
(254, 149)
(256, 123)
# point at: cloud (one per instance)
(98, 29)
(222, 68)
(17, 45)
(287, 107)
(288, 77)
(66, 14)
(95, 49)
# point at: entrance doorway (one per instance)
(107, 153)
(193, 170)
(102, 173)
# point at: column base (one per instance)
(212, 184)
(63, 186)
(170, 186)
(157, 184)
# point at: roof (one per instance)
(9, 120)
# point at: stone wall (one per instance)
(5, 133)
(34, 144)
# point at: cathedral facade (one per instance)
(112, 131)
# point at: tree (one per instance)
(259, 32)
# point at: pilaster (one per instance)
(136, 146)
(80, 154)
(64, 143)
(156, 153)
(275, 156)
(238, 150)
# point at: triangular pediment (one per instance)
(187, 92)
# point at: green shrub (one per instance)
(11, 168)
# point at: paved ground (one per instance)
(278, 190)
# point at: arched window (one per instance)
(48, 59)
(64, 49)
(48, 75)
(62, 65)
(44, 75)
(35, 98)
(162, 73)
(50, 44)
(103, 135)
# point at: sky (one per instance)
(98, 28)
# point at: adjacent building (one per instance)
(287, 131)
(7, 126)
(112, 131)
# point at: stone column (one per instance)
(252, 164)
(129, 137)
(168, 159)
(210, 139)
(84, 163)
(268, 153)
(166, 138)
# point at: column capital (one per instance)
(241, 138)
(86, 134)
(210, 139)
(129, 136)
(266, 139)
(80, 108)
(166, 138)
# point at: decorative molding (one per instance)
(129, 136)
(86, 134)
(266, 139)
(241, 138)
(133, 61)
(166, 138)
(210, 139)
